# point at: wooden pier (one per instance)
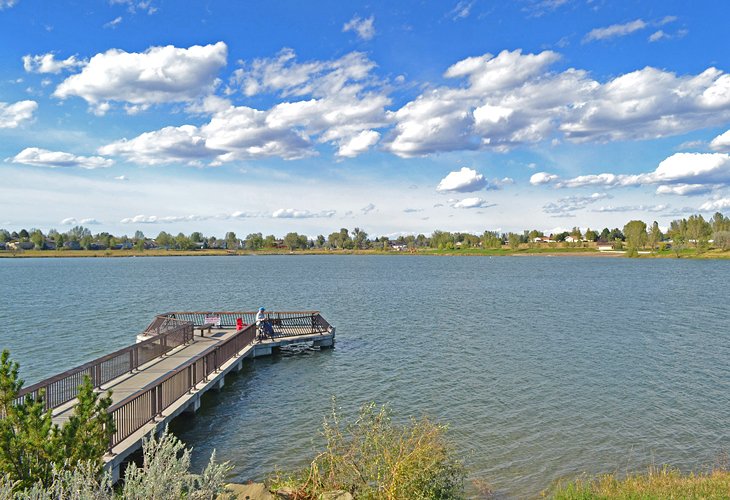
(178, 358)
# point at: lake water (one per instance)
(544, 368)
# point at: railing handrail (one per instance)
(98, 361)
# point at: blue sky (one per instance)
(396, 117)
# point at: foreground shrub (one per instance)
(165, 474)
(373, 458)
(664, 483)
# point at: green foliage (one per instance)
(165, 473)
(32, 446)
(635, 232)
(373, 458)
(722, 240)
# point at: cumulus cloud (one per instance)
(719, 204)
(685, 189)
(13, 115)
(564, 207)
(291, 213)
(140, 79)
(72, 221)
(47, 63)
(43, 158)
(364, 28)
(513, 99)
(615, 30)
(465, 180)
(542, 178)
(338, 102)
(183, 144)
(474, 202)
(721, 142)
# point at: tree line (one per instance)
(693, 231)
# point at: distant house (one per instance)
(126, 245)
(571, 239)
(49, 245)
(604, 246)
(97, 246)
(2, 246)
(543, 239)
(398, 247)
(21, 245)
(72, 245)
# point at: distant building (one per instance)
(21, 245)
(49, 245)
(72, 245)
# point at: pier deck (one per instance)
(165, 375)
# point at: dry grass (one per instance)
(657, 483)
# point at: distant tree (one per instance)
(164, 240)
(722, 240)
(654, 236)
(60, 240)
(320, 241)
(269, 241)
(359, 237)
(292, 241)
(616, 234)
(77, 232)
(4, 236)
(636, 237)
(138, 235)
(514, 241)
(576, 233)
(591, 235)
(254, 241)
(86, 242)
(231, 240)
(604, 236)
(23, 235)
(698, 230)
(720, 223)
(197, 237)
(182, 242)
(491, 239)
(561, 236)
(38, 239)
(139, 245)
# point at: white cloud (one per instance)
(291, 213)
(685, 189)
(72, 221)
(720, 204)
(343, 109)
(114, 22)
(183, 144)
(474, 202)
(358, 144)
(153, 219)
(615, 30)
(47, 63)
(513, 99)
(7, 4)
(564, 206)
(633, 208)
(462, 10)
(542, 178)
(657, 35)
(43, 158)
(158, 75)
(367, 208)
(465, 180)
(12, 115)
(721, 142)
(121, 178)
(364, 28)
(681, 173)
(133, 6)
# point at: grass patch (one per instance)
(657, 483)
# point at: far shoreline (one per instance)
(714, 254)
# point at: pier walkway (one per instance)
(178, 357)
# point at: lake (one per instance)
(543, 367)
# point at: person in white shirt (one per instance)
(262, 323)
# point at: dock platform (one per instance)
(178, 358)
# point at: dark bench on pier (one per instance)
(203, 328)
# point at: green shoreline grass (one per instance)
(471, 252)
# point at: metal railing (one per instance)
(132, 413)
(64, 387)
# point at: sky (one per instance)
(395, 117)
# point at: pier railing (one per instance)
(137, 410)
(134, 412)
(64, 387)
